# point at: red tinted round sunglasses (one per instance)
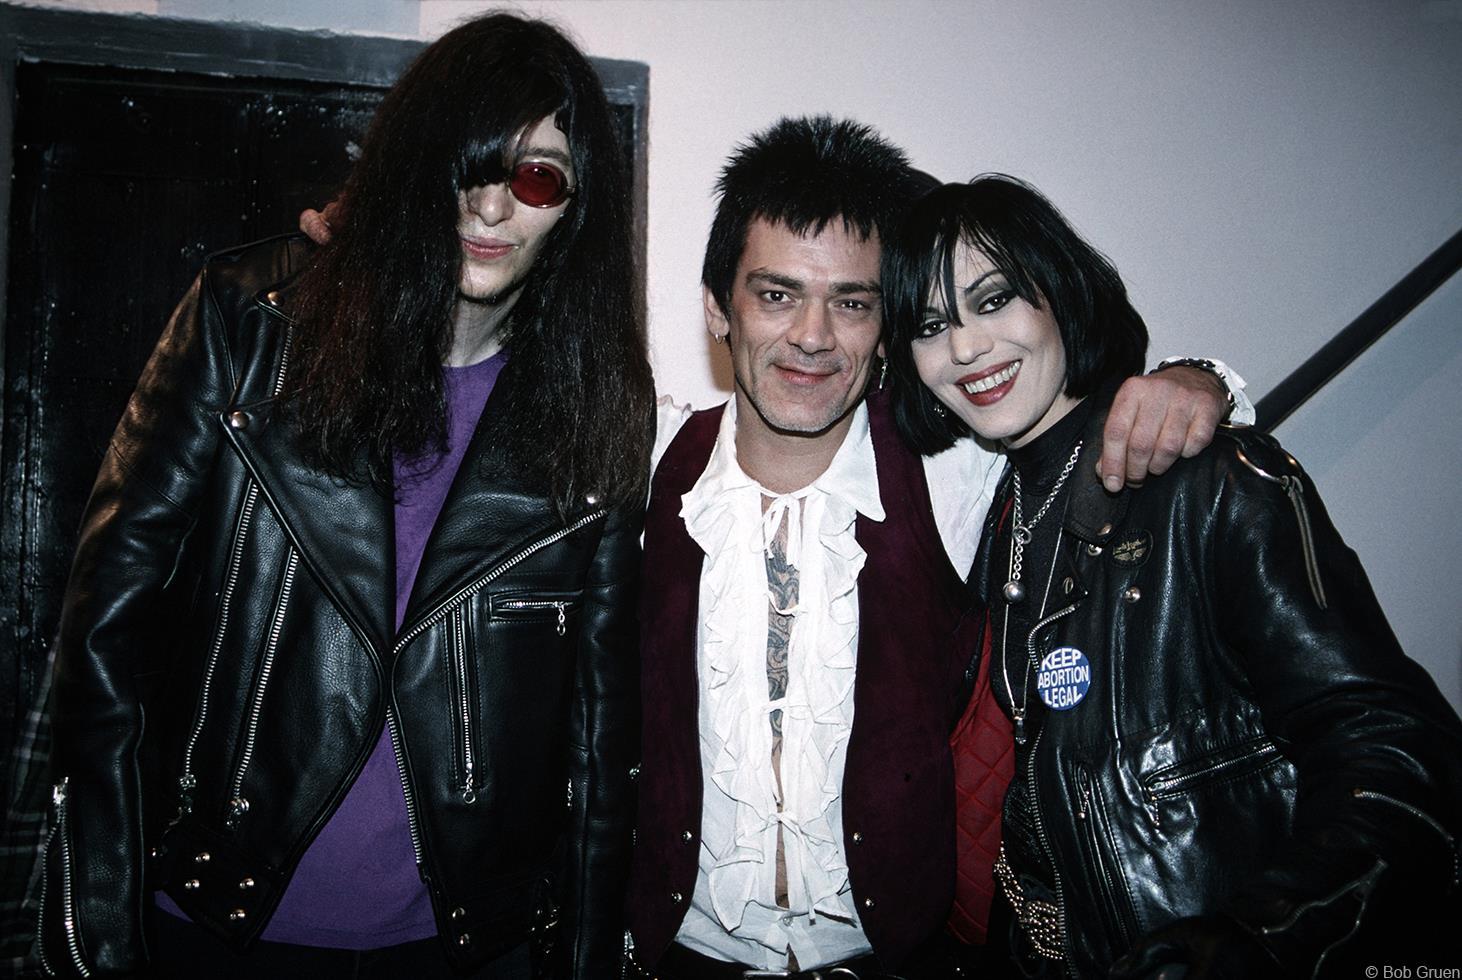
(536, 184)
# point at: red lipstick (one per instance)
(991, 395)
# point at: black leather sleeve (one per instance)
(134, 527)
(605, 743)
(1375, 745)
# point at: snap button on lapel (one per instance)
(1131, 594)
(238, 420)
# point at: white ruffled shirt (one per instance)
(733, 913)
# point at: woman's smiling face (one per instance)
(1002, 370)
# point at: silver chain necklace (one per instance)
(1020, 534)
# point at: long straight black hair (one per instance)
(375, 306)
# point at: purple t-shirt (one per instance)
(356, 886)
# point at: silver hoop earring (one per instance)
(719, 337)
(883, 374)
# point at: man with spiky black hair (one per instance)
(804, 624)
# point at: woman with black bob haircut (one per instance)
(1223, 759)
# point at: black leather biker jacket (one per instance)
(227, 659)
(1253, 741)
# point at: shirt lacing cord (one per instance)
(785, 507)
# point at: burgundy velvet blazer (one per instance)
(918, 629)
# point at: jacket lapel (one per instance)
(491, 510)
(342, 531)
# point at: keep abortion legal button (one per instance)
(1063, 678)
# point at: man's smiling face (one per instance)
(803, 327)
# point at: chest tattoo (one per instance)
(781, 605)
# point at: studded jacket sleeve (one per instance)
(132, 535)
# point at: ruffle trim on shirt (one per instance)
(723, 514)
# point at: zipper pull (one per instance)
(237, 807)
(58, 793)
(562, 617)
(1019, 715)
(186, 783)
(1085, 785)
(1296, 493)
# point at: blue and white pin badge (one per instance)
(1063, 678)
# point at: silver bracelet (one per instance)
(1203, 364)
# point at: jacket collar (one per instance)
(282, 298)
(345, 531)
(495, 507)
(1093, 514)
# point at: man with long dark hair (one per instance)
(346, 672)
(806, 630)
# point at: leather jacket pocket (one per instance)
(1229, 764)
(554, 609)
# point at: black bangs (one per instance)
(804, 174)
(1044, 260)
(489, 133)
(577, 326)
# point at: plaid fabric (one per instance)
(27, 808)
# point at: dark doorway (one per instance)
(137, 147)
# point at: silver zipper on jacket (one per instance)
(188, 781)
(412, 820)
(557, 604)
(1030, 645)
(238, 804)
(1154, 789)
(1294, 489)
(68, 902)
(462, 594)
(445, 609)
(628, 956)
(457, 654)
(1424, 817)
